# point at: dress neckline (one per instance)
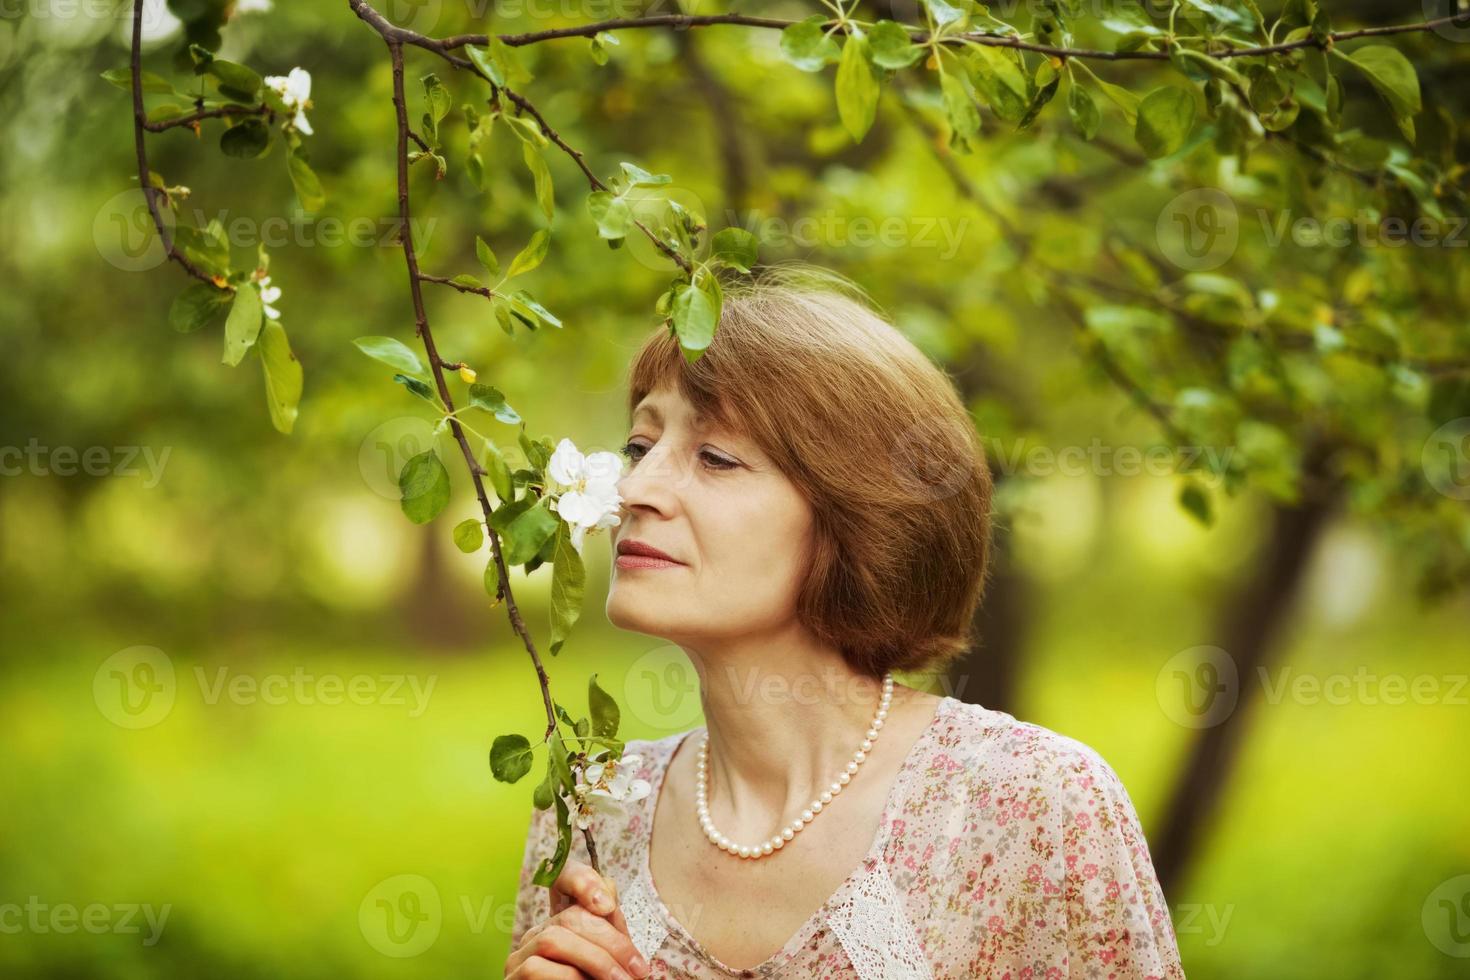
(891, 806)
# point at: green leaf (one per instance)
(560, 765)
(942, 12)
(696, 315)
(439, 99)
(550, 868)
(526, 130)
(1393, 76)
(959, 106)
(502, 317)
(999, 78)
(417, 387)
(166, 111)
(1165, 118)
(806, 46)
(465, 279)
(492, 579)
(204, 248)
(199, 303)
(857, 87)
(282, 376)
(241, 79)
(532, 255)
(568, 583)
(1047, 81)
(392, 353)
(242, 326)
(541, 798)
(736, 246)
(123, 79)
(1119, 96)
(500, 478)
(524, 305)
(541, 174)
(486, 62)
(604, 710)
(469, 535)
(247, 140)
(892, 47)
(611, 213)
(638, 177)
(487, 258)
(1195, 499)
(1083, 109)
(510, 757)
(523, 526)
(424, 483)
(304, 179)
(491, 400)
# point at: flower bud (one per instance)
(468, 373)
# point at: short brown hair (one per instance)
(876, 438)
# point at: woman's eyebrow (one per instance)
(701, 421)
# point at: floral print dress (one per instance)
(1005, 850)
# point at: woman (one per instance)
(806, 512)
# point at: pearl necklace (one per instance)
(778, 841)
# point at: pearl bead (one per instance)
(827, 796)
(844, 779)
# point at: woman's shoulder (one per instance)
(993, 746)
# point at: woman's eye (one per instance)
(635, 452)
(717, 462)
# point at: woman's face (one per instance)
(709, 499)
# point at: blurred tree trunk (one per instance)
(433, 605)
(1249, 627)
(987, 675)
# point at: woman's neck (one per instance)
(781, 727)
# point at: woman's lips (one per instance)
(645, 561)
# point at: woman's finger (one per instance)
(585, 886)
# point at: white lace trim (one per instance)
(875, 931)
(645, 922)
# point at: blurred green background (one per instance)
(239, 689)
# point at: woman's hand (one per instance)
(586, 935)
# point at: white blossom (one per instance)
(268, 295)
(585, 489)
(252, 6)
(607, 787)
(294, 90)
